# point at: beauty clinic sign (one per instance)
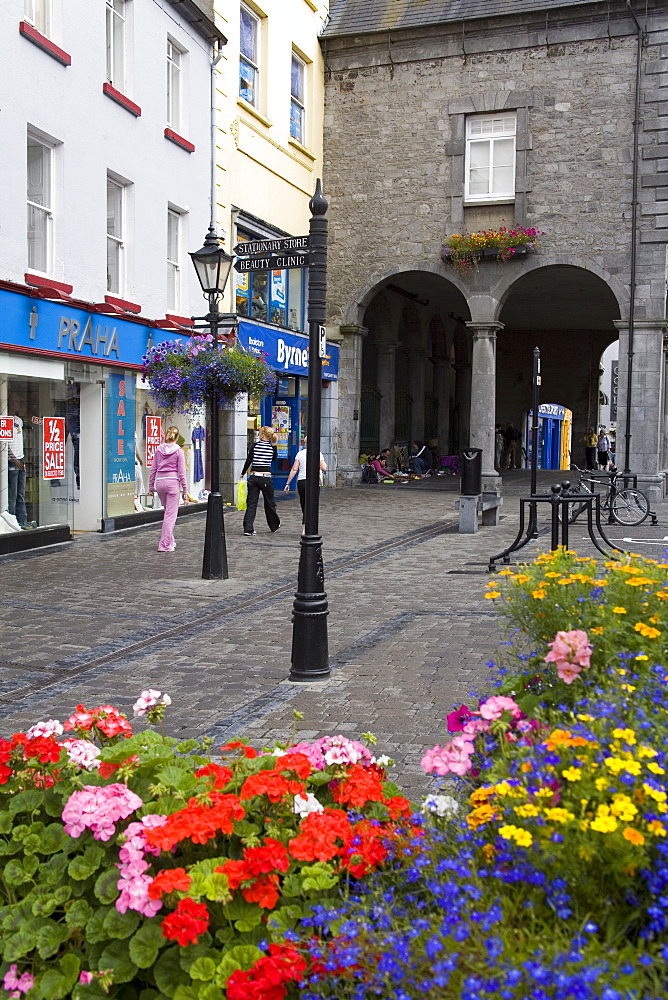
(153, 437)
(53, 447)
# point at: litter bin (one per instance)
(471, 485)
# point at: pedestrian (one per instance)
(299, 469)
(613, 447)
(603, 449)
(420, 458)
(499, 444)
(168, 479)
(590, 442)
(259, 460)
(509, 457)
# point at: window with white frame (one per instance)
(116, 43)
(297, 89)
(490, 157)
(249, 48)
(40, 204)
(173, 260)
(115, 235)
(38, 13)
(174, 84)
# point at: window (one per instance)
(40, 205)
(173, 260)
(490, 157)
(116, 44)
(272, 296)
(38, 13)
(248, 59)
(115, 234)
(174, 61)
(297, 98)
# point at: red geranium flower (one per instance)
(44, 748)
(267, 978)
(322, 836)
(361, 785)
(169, 880)
(6, 749)
(198, 822)
(5, 773)
(220, 774)
(264, 892)
(106, 768)
(186, 923)
(297, 762)
(238, 745)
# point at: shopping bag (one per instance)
(242, 492)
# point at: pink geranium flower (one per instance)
(16, 985)
(458, 719)
(571, 654)
(495, 706)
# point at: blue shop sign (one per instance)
(286, 352)
(554, 410)
(60, 330)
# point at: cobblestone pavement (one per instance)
(410, 632)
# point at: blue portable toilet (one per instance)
(551, 417)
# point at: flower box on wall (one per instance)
(464, 250)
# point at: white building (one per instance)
(107, 144)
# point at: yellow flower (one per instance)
(662, 595)
(526, 766)
(628, 687)
(527, 810)
(642, 657)
(604, 824)
(538, 594)
(544, 793)
(586, 718)
(558, 815)
(483, 814)
(644, 751)
(625, 734)
(654, 768)
(619, 611)
(655, 619)
(488, 852)
(493, 594)
(481, 794)
(654, 793)
(516, 833)
(572, 774)
(601, 784)
(657, 828)
(521, 578)
(639, 581)
(505, 572)
(565, 581)
(633, 836)
(597, 631)
(623, 808)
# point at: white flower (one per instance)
(383, 761)
(342, 751)
(277, 752)
(441, 805)
(50, 728)
(149, 699)
(83, 753)
(305, 804)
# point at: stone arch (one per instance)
(353, 313)
(509, 280)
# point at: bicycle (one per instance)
(626, 506)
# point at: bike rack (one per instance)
(630, 481)
(560, 497)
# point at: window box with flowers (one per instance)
(464, 250)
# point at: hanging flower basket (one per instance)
(464, 250)
(183, 375)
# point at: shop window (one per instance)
(40, 156)
(115, 235)
(490, 158)
(175, 58)
(174, 240)
(116, 27)
(297, 112)
(39, 14)
(275, 297)
(249, 47)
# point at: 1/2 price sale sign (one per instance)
(54, 447)
(153, 437)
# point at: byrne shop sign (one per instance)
(53, 448)
(287, 352)
(285, 245)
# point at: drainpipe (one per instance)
(634, 240)
(217, 56)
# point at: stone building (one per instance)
(443, 118)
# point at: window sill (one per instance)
(113, 300)
(182, 320)
(254, 112)
(38, 281)
(302, 149)
(311, 4)
(489, 201)
(178, 140)
(121, 99)
(44, 43)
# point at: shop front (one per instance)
(73, 444)
(286, 410)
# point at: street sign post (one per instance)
(286, 245)
(271, 263)
(322, 341)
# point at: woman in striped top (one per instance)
(259, 461)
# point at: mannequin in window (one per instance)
(197, 437)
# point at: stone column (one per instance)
(647, 390)
(483, 396)
(385, 380)
(442, 369)
(463, 401)
(350, 394)
(417, 360)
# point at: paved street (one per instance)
(98, 619)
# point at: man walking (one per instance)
(511, 437)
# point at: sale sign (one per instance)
(153, 437)
(54, 447)
(6, 428)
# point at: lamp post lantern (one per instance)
(213, 266)
(310, 655)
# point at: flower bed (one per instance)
(464, 250)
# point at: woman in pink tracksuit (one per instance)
(168, 478)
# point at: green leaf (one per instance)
(210, 992)
(168, 972)
(120, 925)
(242, 957)
(178, 778)
(106, 888)
(44, 906)
(25, 802)
(244, 915)
(17, 945)
(87, 863)
(186, 993)
(52, 871)
(146, 944)
(318, 877)
(78, 914)
(15, 874)
(191, 952)
(115, 957)
(185, 746)
(53, 801)
(203, 968)
(50, 937)
(284, 919)
(95, 931)
(57, 983)
(5, 822)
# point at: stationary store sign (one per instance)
(53, 447)
(120, 443)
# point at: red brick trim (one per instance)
(132, 307)
(183, 320)
(39, 282)
(179, 140)
(44, 43)
(121, 99)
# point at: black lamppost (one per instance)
(310, 655)
(213, 266)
